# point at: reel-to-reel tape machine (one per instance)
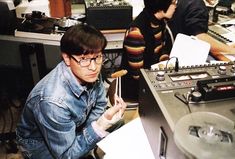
(205, 135)
(189, 113)
(108, 14)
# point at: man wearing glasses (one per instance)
(65, 114)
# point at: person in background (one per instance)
(60, 8)
(65, 114)
(191, 18)
(144, 43)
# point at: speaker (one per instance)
(7, 18)
(105, 17)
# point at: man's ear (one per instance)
(66, 59)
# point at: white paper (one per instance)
(189, 50)
(137, 5)
(232, 21)
(230, 36)
(129, 141)
(230, 56)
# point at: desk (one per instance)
(223, 34)
(52, 42)
(114, 38)
(10, 53)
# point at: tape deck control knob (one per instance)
(160, 76)
(222, 70)
(233, 69)
(196, 96)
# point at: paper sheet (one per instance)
(230, 36)
(129, 141)
(230, 56)
(189, 50)
(232, 21)
(230, 26)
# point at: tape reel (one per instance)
(205, 135)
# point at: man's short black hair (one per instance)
(154, 6)
(82, 39)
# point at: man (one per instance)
(144, 42)
(65, 114)
(191, 18)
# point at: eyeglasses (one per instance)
(84, 62)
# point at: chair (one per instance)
(131, 104)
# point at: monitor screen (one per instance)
(226, 3)
(17, 2)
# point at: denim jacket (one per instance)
(56, 119)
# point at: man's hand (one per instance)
(211, 3)
(233, 45)
(119, 107)
(113, 114)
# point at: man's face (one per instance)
(86, 68)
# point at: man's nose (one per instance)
(92, 65)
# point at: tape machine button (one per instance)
(160, 76)
(196, 96)
(222, 70)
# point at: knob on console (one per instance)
(160, 76)
(196, 96)
(233, 69)
(222, 70)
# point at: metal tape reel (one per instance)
(205, 135)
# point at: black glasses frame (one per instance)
(85, 60)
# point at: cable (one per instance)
(176, 63)
(4, 122)
(12, 120)
(169, 31)
(179, 96)
(183, 99)
(6, 103)
(172, 42)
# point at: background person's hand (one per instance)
(170, 11)
(233, 45)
